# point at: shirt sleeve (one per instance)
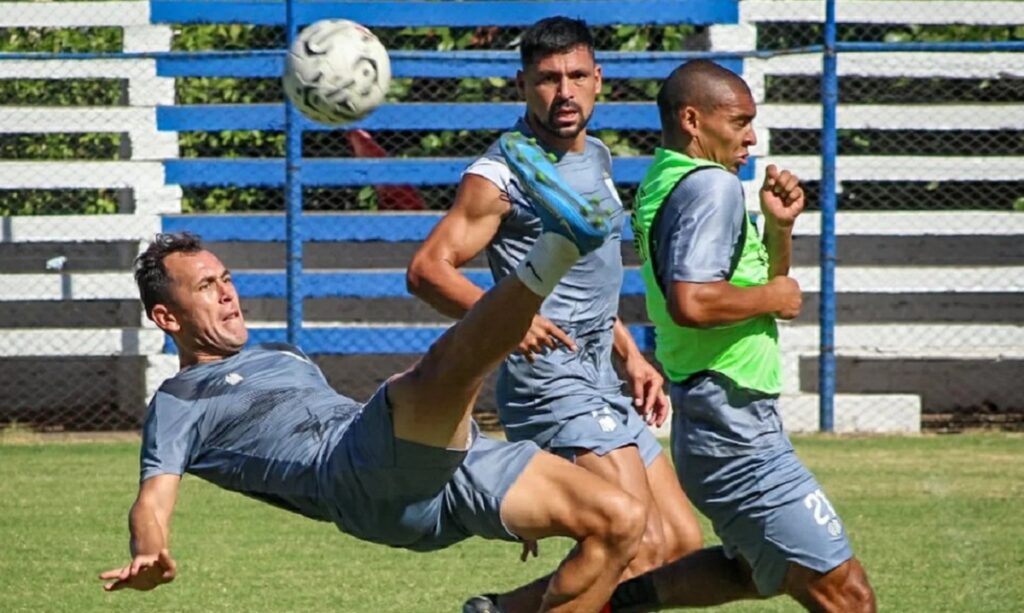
(700, 229)
(168, 436)
(493, 168)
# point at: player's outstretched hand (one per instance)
(144, 573)
(543, 336)
(782, 198)
(648, 386)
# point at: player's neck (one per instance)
(189, 358)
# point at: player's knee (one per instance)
(845, 588)
(857, 592)
(625, 523)
(651, 553)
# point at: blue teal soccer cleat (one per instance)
(559, 207)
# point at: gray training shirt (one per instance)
(700, 229)
(262, 422)
(584, 304)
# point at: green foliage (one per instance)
(61, 40)
(64, 92)
(953, 33)
(233, 36)
(227, 199)
(232, 144)
(58, 202)
(99, 146)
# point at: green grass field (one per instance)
(938, 522)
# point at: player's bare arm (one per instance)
(782, 200)
(149, 522)
(467, 228)
(473, 220)
(703, 305)
(645, 382)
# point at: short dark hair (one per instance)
(554, 35)
(151, 274)
(696, 83)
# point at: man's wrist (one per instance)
(776, 226)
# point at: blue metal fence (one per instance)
(298, 176)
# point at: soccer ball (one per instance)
(336, 71)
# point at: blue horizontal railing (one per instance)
(316, 228)
(339, 172)
(369, 284)
(449, 14)
(398, 339)
(438, 64)
(405, 116)
(392, 227)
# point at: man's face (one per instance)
(560, 90)
(726, 132)
(206, 316)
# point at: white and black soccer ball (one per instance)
(336, 71)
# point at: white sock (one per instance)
(547, 261)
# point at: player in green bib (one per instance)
(715, 288)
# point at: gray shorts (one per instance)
(602, 430)
(417, 497)
(769, 509)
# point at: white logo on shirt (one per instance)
(233, 378)
(605, 420)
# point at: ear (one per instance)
(521, 83)
(689, 121)
(598, 79)
(164, 319)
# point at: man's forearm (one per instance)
(148, 532)
(779, 242)
(718, 304)
(446, 289)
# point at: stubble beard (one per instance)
(550, 126)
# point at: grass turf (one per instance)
(936, 520)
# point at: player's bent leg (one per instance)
(703, 578)
(844, 588)
(432, 401)
(625, 468)
(680, 528)
(552, 497)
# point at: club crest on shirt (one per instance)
(605, 419)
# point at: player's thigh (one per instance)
(553, 497)
(623, 467)
(679, 523)
(426, 411)
(769, 509)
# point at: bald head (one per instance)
(701, 84)
(707, 112)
